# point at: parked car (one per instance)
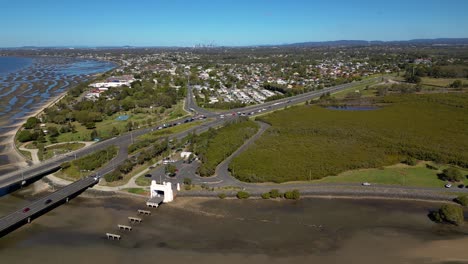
(366, 184)
(25, 210)
(148, 175)
(448, 185)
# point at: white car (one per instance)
(221, 116)
(366, 184)
(448, 185)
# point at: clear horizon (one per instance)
(53, 23)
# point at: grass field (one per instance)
(404, 175)
(140, 191)
(26, 154)
(143, 181)
(312, 142)
(440, 82)
(104, 128)
(360, 87)
(50, 151)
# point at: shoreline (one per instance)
(11, 136)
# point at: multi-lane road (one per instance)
(123, 141)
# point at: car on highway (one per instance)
(25, 210)
(366, 184)
(48, 201)
(221, 116)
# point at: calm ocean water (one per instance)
(11, 64)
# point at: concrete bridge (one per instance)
(35, 209)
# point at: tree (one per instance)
(114, 131)
(53, 131)
(242, 195)
(170, 169)
(94, 134)
(187, 181)
(449, 213)
(452, 174)
(24, 136)
(462, 199)
(31, 122)
(90, 125)
(410, 161)
(113, 176)
(456, 84)
(413, 79)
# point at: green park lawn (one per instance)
(50, 151)
(104, 128)
(404, 175)
(440, 82)
(143, 181)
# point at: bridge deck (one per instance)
(43, 203)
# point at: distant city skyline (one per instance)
(225, 23)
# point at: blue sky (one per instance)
(224, 22)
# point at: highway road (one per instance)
(37, 207)
(125, 140)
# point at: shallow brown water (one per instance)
(229, 231)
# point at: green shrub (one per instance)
(410, 161)
(297, 147)
(213, 146)
(294, 195)
(113, 176)
(275, 193)
(222, 195)
(266, 195)
(242, 195)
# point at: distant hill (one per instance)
(336, 43)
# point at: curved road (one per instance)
(125, 140)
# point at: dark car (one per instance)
(48, 201)
(25, 210)
(148, 175)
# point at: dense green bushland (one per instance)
(96, 159)
(310, 142)
(213, 146)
